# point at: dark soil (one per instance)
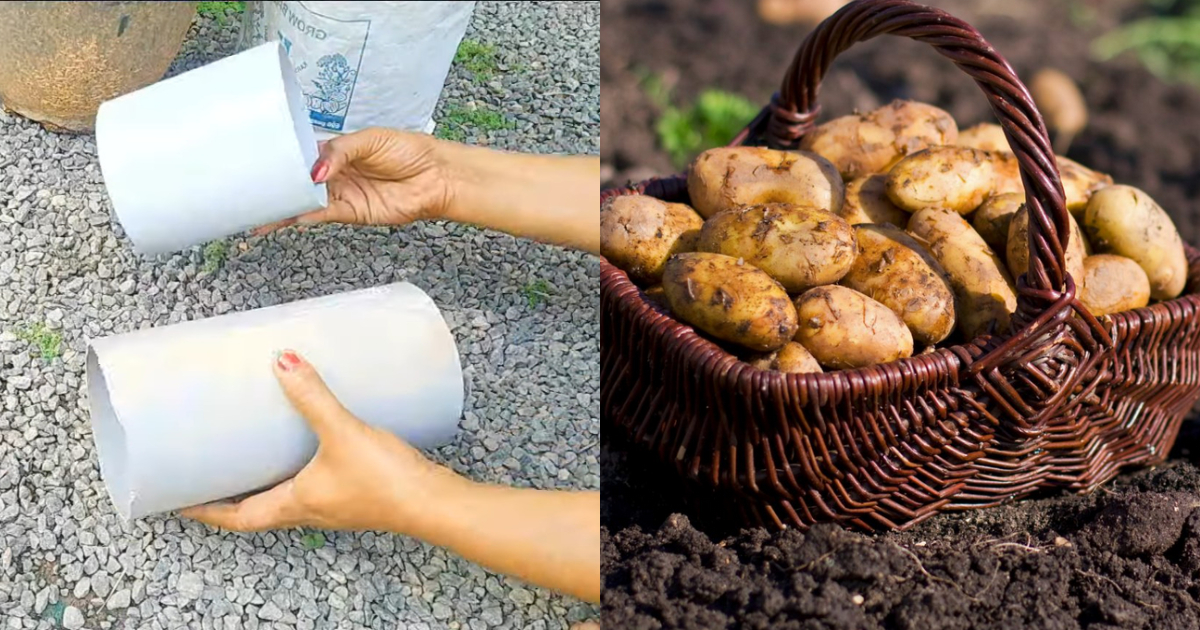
(1127, 556)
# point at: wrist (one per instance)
(424, 507)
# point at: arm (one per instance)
(545, 537)
(543, 198)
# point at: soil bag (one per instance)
(192, 413)
(208, 153)
(364, 64)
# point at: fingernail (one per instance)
(288, 360)
(320, 171)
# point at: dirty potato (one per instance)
(1008, 174)
(799, 246)
(1112, 284)
(865, 144)
(843, 328)
(991, 220)
(985, 137)
(790, 359)
(984, 296)
(955, 178)
(1017, 255)
(867, 202)
(730, 177)
(893, 269)
(1125, 221)
(1079, 184)
(638, 234)
(729, 299)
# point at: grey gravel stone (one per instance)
(73, 618)
(531, 368)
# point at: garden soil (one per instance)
(1125, 556)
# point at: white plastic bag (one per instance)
(364, 64)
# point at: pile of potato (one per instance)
(888, 232)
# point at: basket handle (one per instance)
(1045, 294)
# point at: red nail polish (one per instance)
(289, 361)
(320, 171)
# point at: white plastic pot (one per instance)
(191, 413)
(208, 153)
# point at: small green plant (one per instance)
(1167, 42)
(215, 254)
(536, 292)
(312, 540)
(478, 58)
(458, 120)
(48, 342)
(217, 10)
(713, 120)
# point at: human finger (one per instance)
(310, 396)
(270, 509)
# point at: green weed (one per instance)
(48, 342)
(217, 10)
(712, 121)
(536, 292)
(1167, 42)
(312, 540)
(479, 59)
(458, 120)
(215, 254)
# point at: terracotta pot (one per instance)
(60, 60)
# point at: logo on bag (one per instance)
(334, 83)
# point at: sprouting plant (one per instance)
(217, 10)
(457, 120)
(48, 342)
(536, 292)
(215, 254)
(312, 540)
(478, 58)
(713, 120)
(1167, 42)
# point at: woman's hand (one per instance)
(379, 176)
(361, 478)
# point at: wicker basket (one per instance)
(1065, 401)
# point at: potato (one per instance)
(893, 269)
(1061, 103)
(729, 299)
(843, 328)
(985, 137)
(1008, 175)
(991, 220)
(730, 177)
(638, 234)
(790, 359)
(984, 296)
(1125, 221)
(1079, 184)
(1018, 247)
(801, 247)
(955, 178)
(860, 145)
(1112, 284)
(867, 202)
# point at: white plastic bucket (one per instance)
(191, 413)
(208, 153)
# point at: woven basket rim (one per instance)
(615, 280)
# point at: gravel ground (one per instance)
(531, 362)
